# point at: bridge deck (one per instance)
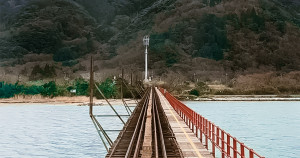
(189, 144)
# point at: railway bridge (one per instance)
(161, 126)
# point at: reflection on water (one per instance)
(271, 128)
(53, 131)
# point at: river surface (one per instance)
(272, 129)
(44, 130)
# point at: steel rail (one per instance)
(161, 135)
(141, 129)
(131, 139)
(145, 105)
(155, 130)
(141, 103)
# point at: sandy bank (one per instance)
(249, 98)
(76, 100)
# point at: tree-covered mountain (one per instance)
(202, 38)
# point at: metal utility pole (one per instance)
(146, 43)
(91, 86)
(122, 83)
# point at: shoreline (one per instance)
(76, 100)
(84, 101)
(242, 98)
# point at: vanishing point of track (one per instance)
(130, 142)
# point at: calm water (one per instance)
(271, 128)
(52, 131)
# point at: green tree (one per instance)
(49, 89)
(7, 90)
(164, 48)
(108, 88)
(211, 38)
(194, 92)
(253, 21)
(81, 86)
(32, 90)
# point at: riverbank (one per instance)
(242, 98)
(83, 100)
(76, 100)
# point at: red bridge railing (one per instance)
(205, 130)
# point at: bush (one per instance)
(62, 91)
(194, 92)
(50, 89)
(7, 90)
(32, 90)
(108, 88)
(81, 87)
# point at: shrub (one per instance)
(108, 88)
(50, 89)
(81, 86)
(194, 92)
(7, 90)
(32, 90)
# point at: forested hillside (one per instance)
(206, 40)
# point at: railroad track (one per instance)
(147, 133)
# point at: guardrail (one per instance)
(205, 130)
